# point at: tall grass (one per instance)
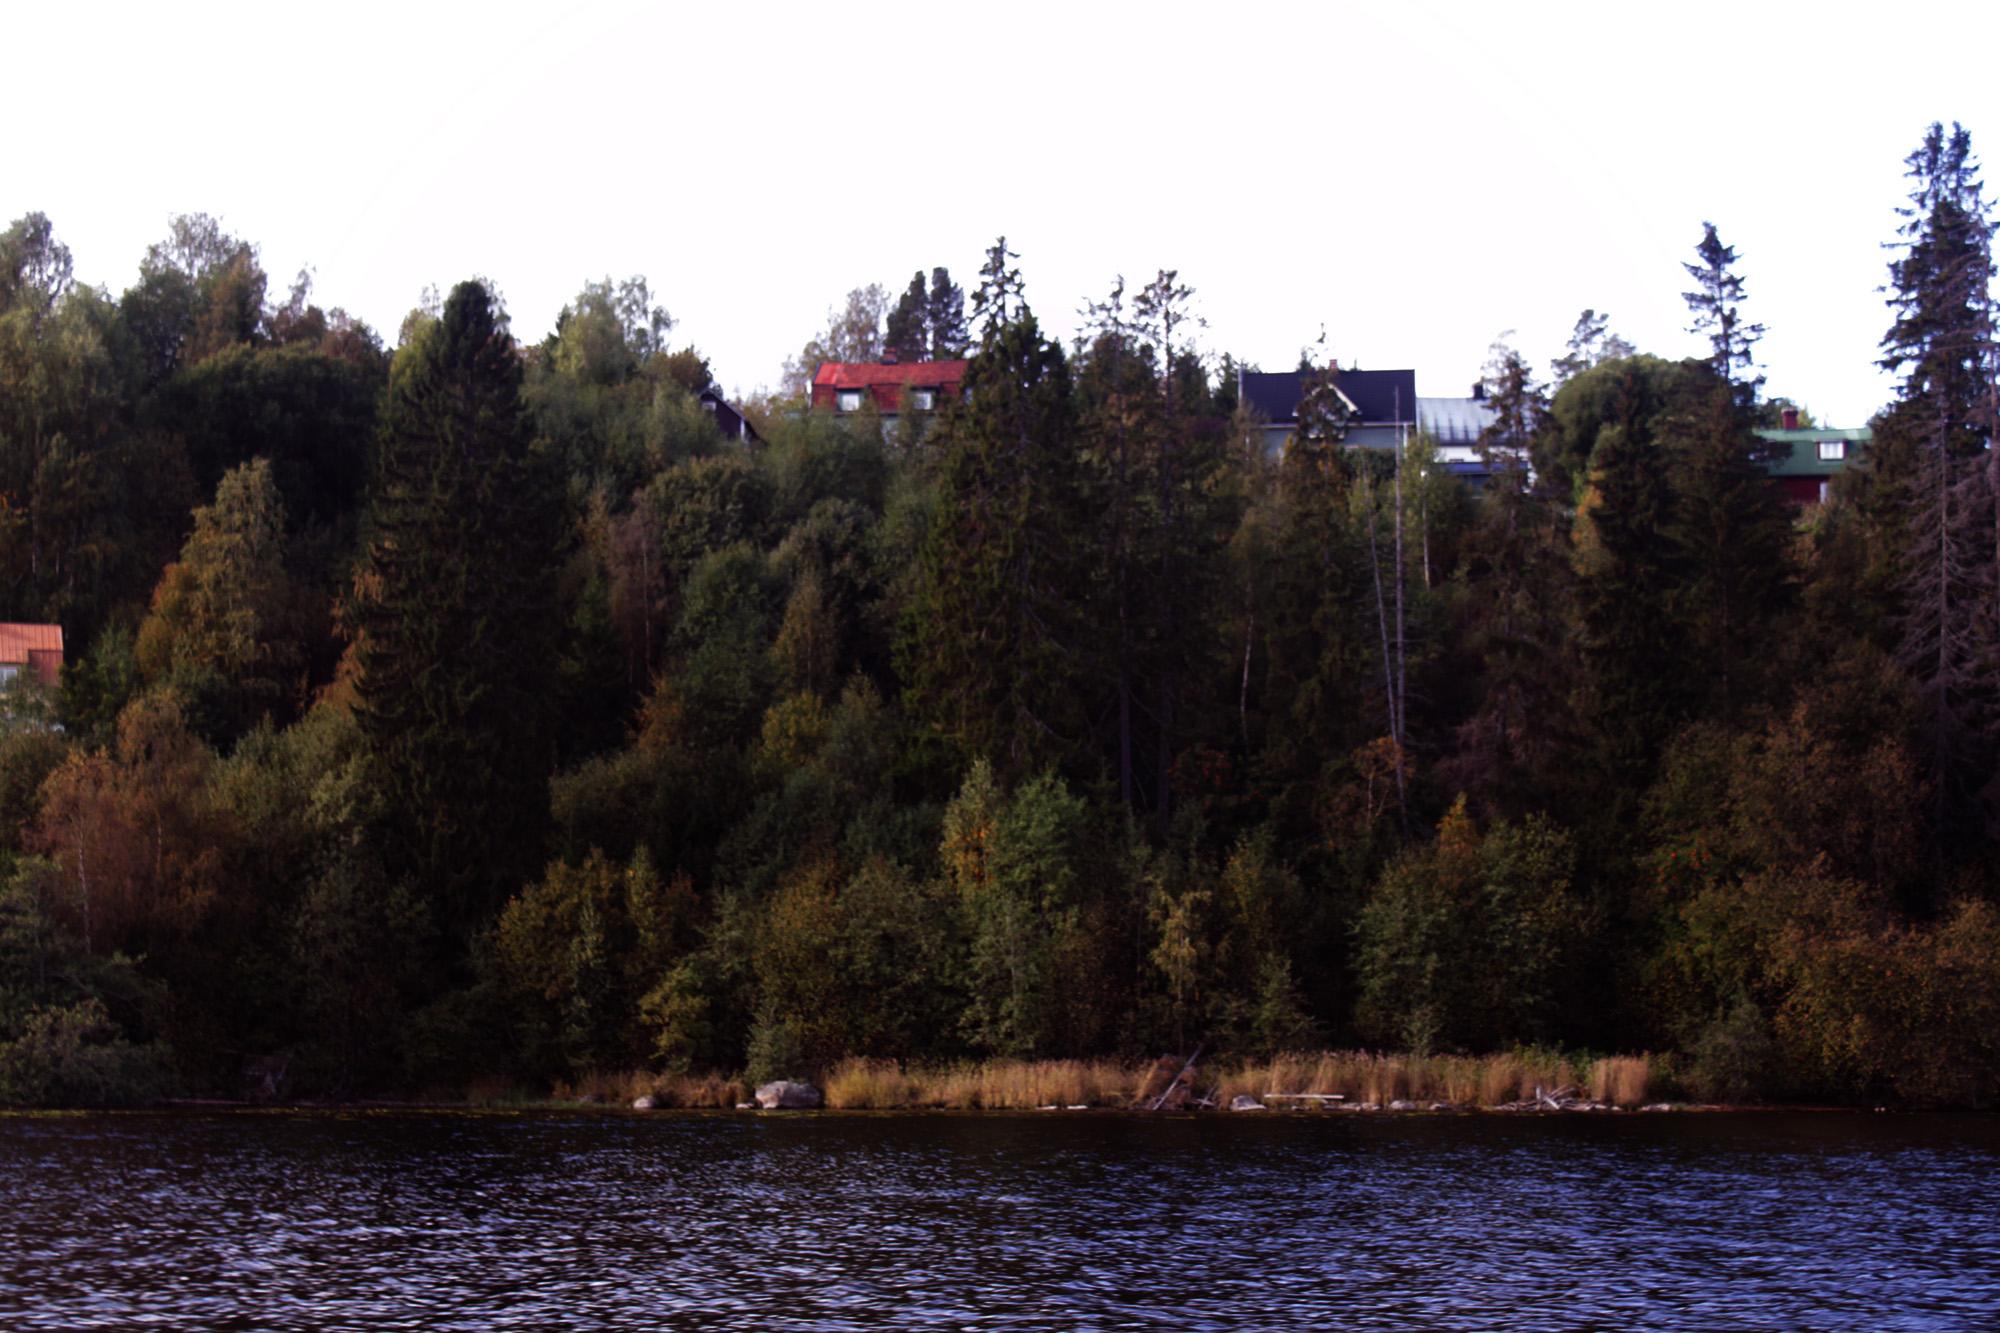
(995, 1085)
(1358, 1078)
(666, 1089)
(1622, 1080)
(1363, 1077)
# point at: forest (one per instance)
(474, 710)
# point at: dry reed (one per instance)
(1621, 1080)
(1363, 1078)
(1357, 1078)
(994, 1086)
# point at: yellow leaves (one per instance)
(793, 730)
(662, 718)
(1458, 834)
(1370, 792)
(968, 828)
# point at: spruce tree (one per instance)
(1517, 609)
(907, 329)
(1934, 465)
(1314, 654)
(928, 324)
(455, 614)
(1626, 568)
(1729, 521)
(944, 310)
(1715, 303)
(988, 649)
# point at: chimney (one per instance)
(1791, 418)
(888, 356)
(1479, 392)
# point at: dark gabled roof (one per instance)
(1382, 397)
(728, 419)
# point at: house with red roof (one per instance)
(886, 385)
(37, 649)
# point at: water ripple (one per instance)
(1075, 1222)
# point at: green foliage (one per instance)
(708, 504)
(455, 612)
(885, 714)
(75, 1056)
(579, 953)
(225, 609)
(309, 414)
(1462, 943)
(928, 324)
(987, 644)
(58, 1043)
(1012, 863)
(29, 753)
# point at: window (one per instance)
(1831, 451)
(850, 400)
(923, 400)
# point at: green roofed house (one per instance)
(1804, 467)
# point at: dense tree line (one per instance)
(477, 708)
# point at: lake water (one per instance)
(1098, 1220)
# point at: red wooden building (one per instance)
(37, 649)
(843, 386)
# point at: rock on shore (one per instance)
(784, 1095)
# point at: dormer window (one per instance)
(923, 400)
(1832, 451)
(850, 400)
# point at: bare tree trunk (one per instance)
(1243, 694)
(1402, 637)
(1388, 661)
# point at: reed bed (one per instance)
(1364, 1077)
(1357, 1078)
(611, 1088)
(1622, 1080)
(996, 1085)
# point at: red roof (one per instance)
(39, 648)
(871, 374)
(883, 381)
(17, 641)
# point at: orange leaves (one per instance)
(138, 848)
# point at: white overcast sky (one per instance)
(1416, 178)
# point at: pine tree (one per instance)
(944, 310)
(1935, 456)
(1117, 406)
(454, 608)
(1715, 303)
(928, 324)
(1591, 343)
(988, 648)
(1313, 647)
(1626, 568)
(1517, 611)
(1181, 469)
(907, 330)
(1729, 522)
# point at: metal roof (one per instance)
(1454, 420)
(1803, 456)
